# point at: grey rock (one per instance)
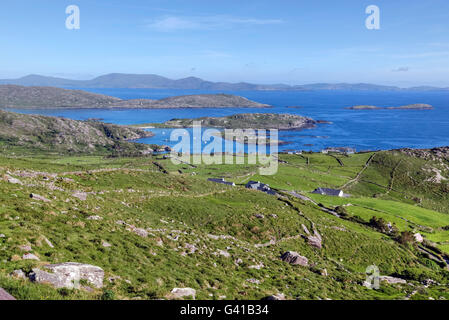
(39, 197)
(95, 218)
(29, 256)
(18, 274)
(392, 280)
(278, 296)
(295, 259)
(5, 295)
(48, 243)
(252, 280)
(68, 274)
(106, 244)
(12, 180)
(80, 195)
(178, 293)
(2, 235)
(314, 241)
(25, 248)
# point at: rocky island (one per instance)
(245, 121)
(20, 97)
(416, 106)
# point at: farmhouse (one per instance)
(257, 185)
(221, 181)
(329, 192)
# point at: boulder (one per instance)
(314, 241)
(5, 295)
(80, 195)
(95, 218)
(18, 274)
(418, 237)
(26, 248)
(178, 293)
(278, 296)
(39, 197)
(12, 180)
(29, 256)
(68, 274)
(106, 244)
(48, 243)
(392, 280)
(295, 259)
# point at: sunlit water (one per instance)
(362, 129)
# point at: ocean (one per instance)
(359, 129)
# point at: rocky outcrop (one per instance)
(295, 258)
(68, 274)
(278, 296)
(66, 135)
(5, 295)
(418, 237)
(392, 280)
(315, 240)
(30, 256)
(178, 293)
(38, 197)
(12, 180)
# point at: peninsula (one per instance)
(20, 97)
(65, 136)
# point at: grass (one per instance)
(182, 210)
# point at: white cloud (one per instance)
(401, 69)
(175, 23)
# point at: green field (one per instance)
(181, 210)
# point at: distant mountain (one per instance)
(152, 81)
(14, 96)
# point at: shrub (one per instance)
(341, 211)
(406, 237)
(108, 295)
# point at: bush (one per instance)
(341, 211)
(379, 224)
(108, 295)
(406, 238)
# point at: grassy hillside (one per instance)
(224, 241)
(51, 134)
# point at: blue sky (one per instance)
(258, 41)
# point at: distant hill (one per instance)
(152, 81)
(13, 96)
(67, 136)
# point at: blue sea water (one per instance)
(361, 129)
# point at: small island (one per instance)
(243, 121)
(416, 106)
